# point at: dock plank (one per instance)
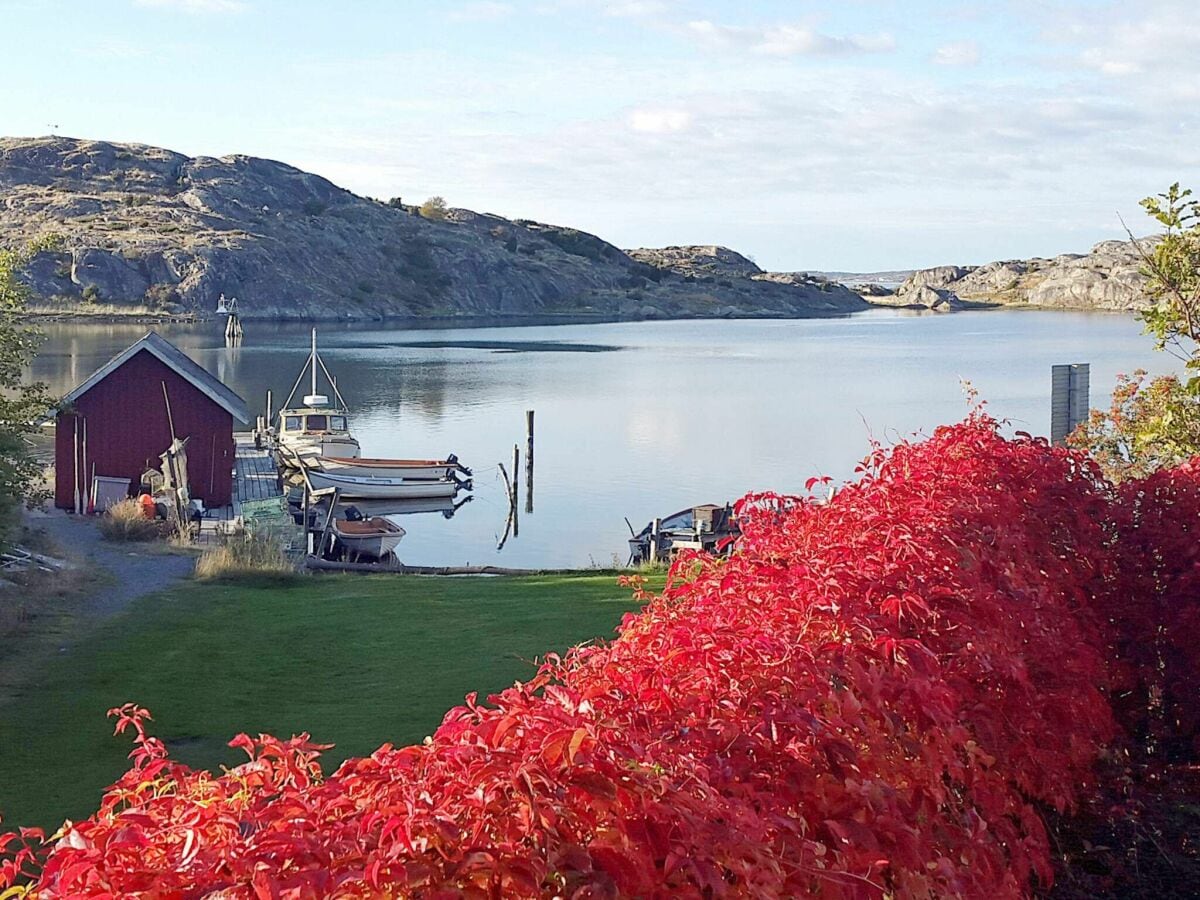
(255, 474)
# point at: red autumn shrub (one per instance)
(1154, 606)
(868, 699)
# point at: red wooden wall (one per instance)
(127, 429)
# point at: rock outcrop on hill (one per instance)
(921, 296)
(141, 229)
(698, 261)
(1109, 277)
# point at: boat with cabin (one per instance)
(319, 426)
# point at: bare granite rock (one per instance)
(1108, 278)
(921, 296)
(698, 260)
(144, 229)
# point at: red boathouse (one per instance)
(116, 423)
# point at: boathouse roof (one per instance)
(178, 361)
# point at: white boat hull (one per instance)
(382, 488)
(427, 470)
(378, 543)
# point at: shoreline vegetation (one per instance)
(421, 323)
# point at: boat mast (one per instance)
(314, 362)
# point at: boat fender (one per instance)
(353, 514)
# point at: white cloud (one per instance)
(660, 121)
(1159, 38)
(785, 40)
(957, 53)
(195, 6)
(481, 11)
(633, 9)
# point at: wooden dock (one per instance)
(255, 475)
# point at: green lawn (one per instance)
(354, 660)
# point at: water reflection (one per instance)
(682, 413)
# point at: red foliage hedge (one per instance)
(870, 698)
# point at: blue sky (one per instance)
(812, 135)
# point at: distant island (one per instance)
(143, 231)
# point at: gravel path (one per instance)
(135, 570)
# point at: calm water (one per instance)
(643, 419)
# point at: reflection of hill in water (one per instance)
(383, 388)
(514, 346)
(380, 380)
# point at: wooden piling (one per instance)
(308, 536)
(512, 499)
(529, 460)
(329, 514)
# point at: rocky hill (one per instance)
(1109, 277)
(143, 229)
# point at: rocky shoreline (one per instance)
(148, 229)
(1107, 278)
(144, 234)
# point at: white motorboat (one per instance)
(368, 487)
(447, 506)
(318, 427)
(375, 537)
(367, 467)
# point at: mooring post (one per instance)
(654, 529)
(512, 499)
(516, 468)
(308, 536)
(529, 460)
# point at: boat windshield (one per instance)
(316, 423)
(291, 423)
(337, 423)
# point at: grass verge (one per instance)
(354, 660)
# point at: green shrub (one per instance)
(91, 294)
(161, 295)
(434, 209)
(313, 207)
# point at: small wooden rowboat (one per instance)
(370, 467)
(358, 486)
(375, 537)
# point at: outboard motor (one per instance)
(354, 514)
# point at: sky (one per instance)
(851, 135)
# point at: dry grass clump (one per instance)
(125, 521)
(245, 556)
